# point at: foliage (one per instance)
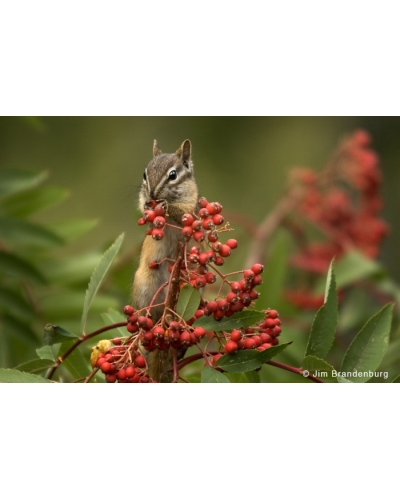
(348, 334)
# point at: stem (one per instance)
(79, 342)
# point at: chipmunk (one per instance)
(168, 179)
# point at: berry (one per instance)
(203, 202)
(187, 219)
(159, 210)
(130, 371)
(149, 215)
(159, 222)
(232, 244)
(248, 275)
(128, 310)
(230, 347)
(219, 261)
(157, 234)
(121, 374)
(116, 341)
(208, 224)
(212, 236)
(105, 367)
(159, 332)
(154, 265)
(132, 327)
(257, 269)
(210, 278)
(196, 225)
(203, 213)
(216, 358)
(272, 314)
(111, 378)
(140, 361)
(224, 251)
(249, 343)
(199, 236)
(185, 338)
(218, 219)
(236, 335)
(141, 221)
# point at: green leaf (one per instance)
(242, 319)
(355, 266)
(14, 180)
(20, 232)
(271, 352)
(45, 352)
(319, 368)
(368, 348)
(73, 229)
(325, 322)
(63, 305)
(76, 363)
(54, 334)
(35, 366)
(23, 204)
(396, 380)
(244, 378)
(19, 268)
(69, 271)
(15, 376)
(239, 362)
(343, 380)
(252, 377)
(188, 302)
(209, 375)
(98, 276)
(112, 316)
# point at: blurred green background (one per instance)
(242, 162)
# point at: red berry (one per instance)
(141, 222)
(130, 371)
(257, 340)
(116, 341)
(257, 269)
(249, 343)
(248, 275)
(218, 219)
(265, 337)
(106, 367)
(132, 327)
(210, 278)
(196, 225)
(230, 347)
(218, 314)
(232, 243)
(199, 236)
(203, 213)
(214, 208)
(272, 314)
(149, 215)
(187, 232)
(159, 210)
(157, 234)
(159, 222)
(111, 378)
(185, 338)
(199, 332)
(199, 313)
(100, 361)
(223, 304)
(219, 261)
(236, 335)
(200, 281)
(159, 332)
(195, 250)
(128, 310)
(224, 251)
(140, 362)
(211, 307)
(203, 202)
(232, 297)
(121, 374)
(212, 236)
(236, 287)
(208, 224)
(187, 219)
(154, 265)
(216, 358)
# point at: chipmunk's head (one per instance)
(169, 178)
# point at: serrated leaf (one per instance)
(98, 276)
(244, 378)
(325, 322)
(271, 352)
(210, 375)
(71, 230)
(20, 232)
(242, 319)
(14, 376)
(35, 365)
(13, 180)
(240, 362)
(23, 204)
(19, 268)
(188, 302)
(112, 316)
(54, 334)
(45, 352)
(368, 348)
(319, 368)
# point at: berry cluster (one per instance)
(343, 202)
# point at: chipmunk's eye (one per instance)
(144, 177)
(172, 175)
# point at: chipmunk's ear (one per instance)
(156, 149)
(185, 152)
